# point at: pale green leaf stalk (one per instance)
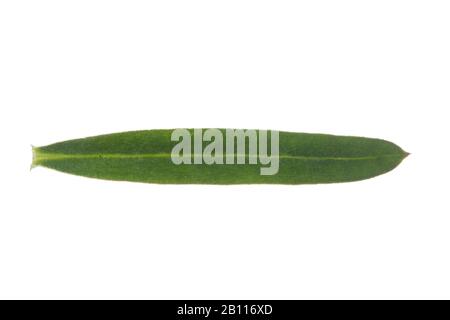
(146, 156)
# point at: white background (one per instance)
(70, 69)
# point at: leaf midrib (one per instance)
(64, 156)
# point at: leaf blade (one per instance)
(144, 156)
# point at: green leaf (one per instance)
(145, 156)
